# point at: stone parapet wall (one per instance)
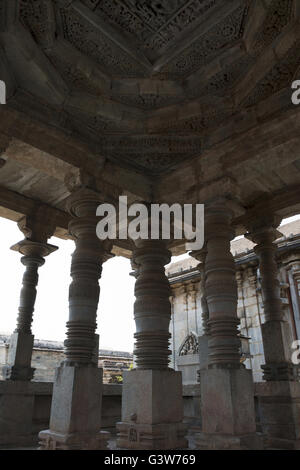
(41, 393)
(47, 355)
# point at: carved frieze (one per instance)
(39, 17)
(204, 49)
(89, 40)
(154, 25)
(278, 16)
(279, 77)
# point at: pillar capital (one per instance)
(262, 226)
(38, 226)
(35, 250)
(219, 214)
(88, 187)
(199, 255)
(83, 202)
(264, 235)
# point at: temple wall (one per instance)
(250, 313)
(186, 316)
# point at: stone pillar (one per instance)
(227, 394)
(275, 330)
(17, 403)
(292, 264)
(77, 394)
(152, 408)
(203, 339)
(21, 341)
(279, 395)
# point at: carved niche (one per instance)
(190, 345)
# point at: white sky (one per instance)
(115, 314)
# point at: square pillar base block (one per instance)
(279, 410)
(75, 420)
(151, 436)
(227, 402)
(152, 410)
(50, 440)
(19, 357)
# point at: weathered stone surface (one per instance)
(279, 408)
(152, 410)
(232, 411)
(16, 415)
(76, 410)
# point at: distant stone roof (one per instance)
(59, 346)
(241, 247)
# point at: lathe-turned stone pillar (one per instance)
(275, 330)
(279, 396)
(75, 420)
(34, 249)
(227, 395)
(152, 408)
(17, 401)
(203, 339)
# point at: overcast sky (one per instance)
(115, 314)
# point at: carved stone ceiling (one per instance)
(149, 83)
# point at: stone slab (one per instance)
(152, 396)
(77, 399)
(279, 412)
(227, 397)
(16, 416)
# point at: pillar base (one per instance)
(151, 436)
(227, 402)
(19, 357)
(152, 410)
(50, 440)
(279, 410)
(205, 441)
(75, 420)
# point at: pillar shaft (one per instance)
(21, 341)
(226, 386)
(152, 408)
(202, 340)
(275, 330)
(86, 268)
(77, 395)
(221, 290)
(28, 293)
(152, 308)
(201, 256)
